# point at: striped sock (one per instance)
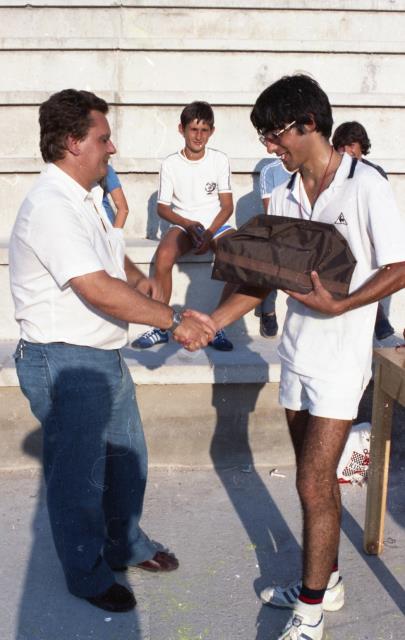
(310, 602)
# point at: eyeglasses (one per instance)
(274, 136)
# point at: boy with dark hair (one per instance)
(195, 196)
(326, 346)
(352, 138)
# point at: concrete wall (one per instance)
(148, 59)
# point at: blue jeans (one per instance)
(94, 457)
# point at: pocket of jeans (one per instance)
(122, 363)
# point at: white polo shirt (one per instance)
(363, 209)
(193, 186)
(61, 232)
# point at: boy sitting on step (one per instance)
(195, 196)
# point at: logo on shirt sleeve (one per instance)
(341, 219)
(210, 187)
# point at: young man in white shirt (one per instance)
(75, 293)
(195, 196)
(326, 345)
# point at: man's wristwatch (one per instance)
(176, 320)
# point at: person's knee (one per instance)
(165, 258)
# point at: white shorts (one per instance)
(336, 399)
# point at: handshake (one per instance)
(195, 330)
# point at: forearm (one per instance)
(121, 206)
(223, 215)
(121, 217)
(388, 280)
(220, 219)
(116, 298)
(237, 305)
(167, 213)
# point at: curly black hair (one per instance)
(66, 113)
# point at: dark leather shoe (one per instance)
(161, 561)
(268, 325)
(117, 599)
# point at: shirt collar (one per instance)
(183, 157)
(72, 185)
(341, 175)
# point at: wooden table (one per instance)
(389, 385)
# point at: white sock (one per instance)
(334, 579)
(313, 611)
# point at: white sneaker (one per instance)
(301, 627)
(286, 597)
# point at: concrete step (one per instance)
(215, 96)
(184, 401)
(253, 360)
(212, 408)
(145, 134)
(141, 193)
(362, 5)
(202, 27)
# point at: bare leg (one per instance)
(174, 244)
(318, 444)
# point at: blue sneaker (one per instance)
(150, 338)
(221, 342)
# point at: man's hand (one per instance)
(151, 288)
(319, 299)
(195, 330)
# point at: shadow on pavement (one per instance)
(270, 535)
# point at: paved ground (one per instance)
(234, 530)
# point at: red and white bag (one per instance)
(355, 459)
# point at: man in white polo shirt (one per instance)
(75, 292)
(326, 345)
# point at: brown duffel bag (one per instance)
(279, 252)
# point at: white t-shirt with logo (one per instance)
(62, 231)
(192, 187)
(364, 211)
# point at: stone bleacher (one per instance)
(148, 59)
